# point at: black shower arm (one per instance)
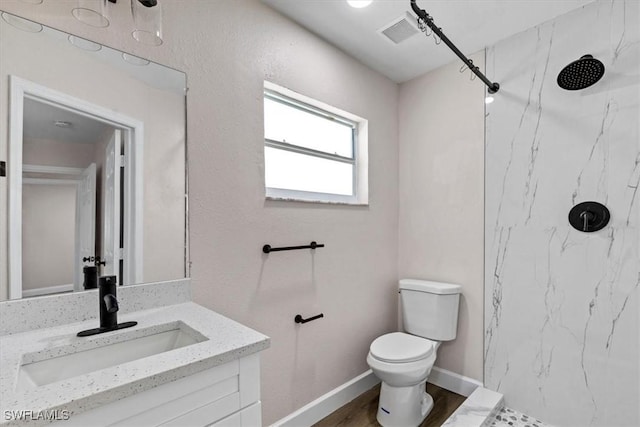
(424, 16)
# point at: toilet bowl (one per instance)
(403, 363)
(403, 360)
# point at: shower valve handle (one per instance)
(587, 217)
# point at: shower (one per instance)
(581, 74)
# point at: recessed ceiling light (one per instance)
(358, 4)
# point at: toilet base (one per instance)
(403, 406)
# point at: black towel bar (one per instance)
(267, 248)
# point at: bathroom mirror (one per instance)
(96, 163)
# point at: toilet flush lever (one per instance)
(299, 319)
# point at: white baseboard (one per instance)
(329, 402)
(453, 382)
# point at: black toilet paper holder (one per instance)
(300, 319)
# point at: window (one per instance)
(312, 153)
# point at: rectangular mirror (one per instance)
(96, 163)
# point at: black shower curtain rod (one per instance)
(428, 20)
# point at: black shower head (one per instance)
(581, 74)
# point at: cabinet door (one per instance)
(248, 417)
(194, 409)
(228, 394)
(165, 402)
(204, 415)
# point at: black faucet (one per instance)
(108, 308)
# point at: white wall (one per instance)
(352, 279)
(228, 48)
(49, 214)
(48, 152)
(441, 201)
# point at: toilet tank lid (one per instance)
(429, 286)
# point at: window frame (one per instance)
(289, 98)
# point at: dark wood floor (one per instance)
(361, 412)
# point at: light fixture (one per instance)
(147, 20)
(147, 17)
(489, 99)
(92, 12)
(358, 4)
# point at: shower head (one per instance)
(581, 74)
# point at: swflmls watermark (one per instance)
(29, 415)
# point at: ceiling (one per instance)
(40, 118)
(470, 24)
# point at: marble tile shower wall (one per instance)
(562, 306)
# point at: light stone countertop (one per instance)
(226, 340)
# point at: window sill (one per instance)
(279, 194)
(320, 202)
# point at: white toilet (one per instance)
(403, 361)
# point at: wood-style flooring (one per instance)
(361, 412)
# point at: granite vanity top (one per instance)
(225, 340)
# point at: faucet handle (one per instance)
(107, 286)
(111, 303)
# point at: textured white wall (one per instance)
(57, 153)
(49, 213)
(228, 48)
(441, 201)
(352, 279)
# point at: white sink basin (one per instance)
(109, 354)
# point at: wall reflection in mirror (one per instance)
(96, 163)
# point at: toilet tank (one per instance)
(430, 309)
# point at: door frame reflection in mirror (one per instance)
(133, 139)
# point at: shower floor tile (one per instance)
(508, 417)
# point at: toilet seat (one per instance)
(398, 347)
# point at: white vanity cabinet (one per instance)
(108, 380)
(226, 395)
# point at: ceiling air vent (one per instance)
(400, 29)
